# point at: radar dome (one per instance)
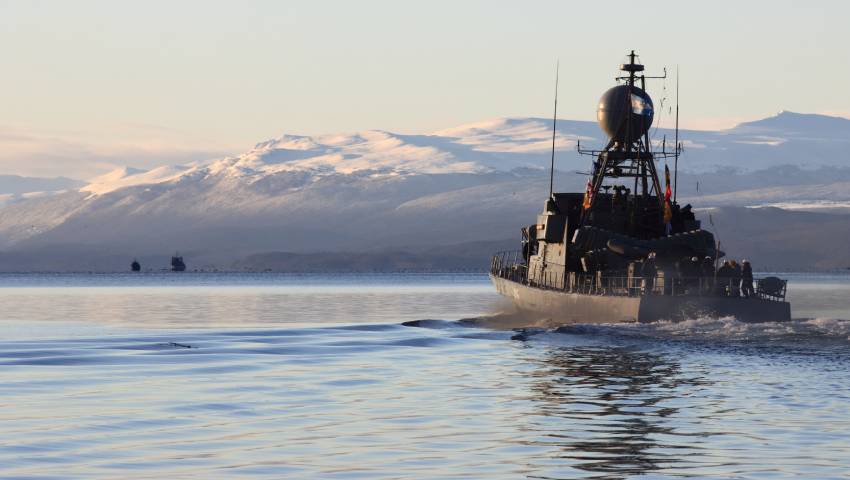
(618, 106)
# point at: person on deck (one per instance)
(724, 278)
(707, 274)
(693, 271)
(735, 286)
(649, 271)
(747, 279)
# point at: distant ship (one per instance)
(136, 266)
(177, 264)
(624, 250)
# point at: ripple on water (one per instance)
(444, 400)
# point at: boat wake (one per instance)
(799, 334)
(729, 328)
(816, 335)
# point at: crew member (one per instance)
(694, 271)
(649, 271)
(724, 278)
(735, 286)
(707, 274)
(747, 279)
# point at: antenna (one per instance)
(676, 161)
(554, 125)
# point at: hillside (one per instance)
(374, 192)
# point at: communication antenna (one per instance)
(554, 125)
(676, 157)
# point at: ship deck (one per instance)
(593, 299)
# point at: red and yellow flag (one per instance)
(668, 209)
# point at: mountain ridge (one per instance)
(377, 190)
(501, 144)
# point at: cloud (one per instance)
(86, 154)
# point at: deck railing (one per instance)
(510, 265)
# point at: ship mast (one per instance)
(628, 153)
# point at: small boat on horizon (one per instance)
(177, 264)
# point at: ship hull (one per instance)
(563, 308)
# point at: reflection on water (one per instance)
(612, 407)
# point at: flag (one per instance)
(588, 195)
(668, 209)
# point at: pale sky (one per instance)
(89, 85)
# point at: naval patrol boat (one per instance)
(624, 250)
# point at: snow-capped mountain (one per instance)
(378, 190)
(507, 144)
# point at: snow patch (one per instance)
(126, 177)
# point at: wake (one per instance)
(823, 330)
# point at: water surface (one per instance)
(376, 376)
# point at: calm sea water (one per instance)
(374, 376)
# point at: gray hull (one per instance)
(566, 308)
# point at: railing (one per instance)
(511, 266)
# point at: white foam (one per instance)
(722, 329)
